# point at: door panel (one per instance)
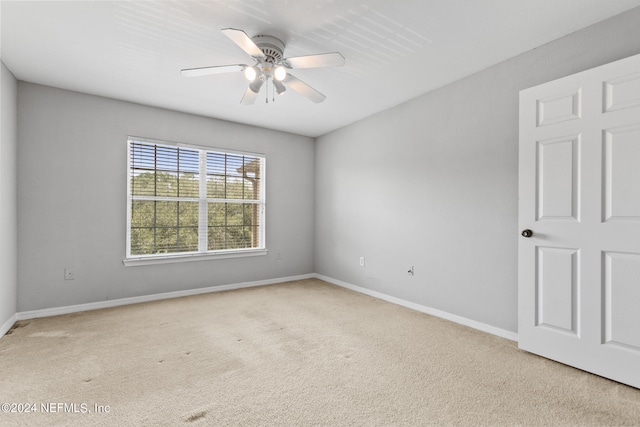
(558, 177)
(622, 174)
(557, 289)
(579, 192)
(559, 108)
(621, 296)
(621, 93)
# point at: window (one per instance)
(185, 201)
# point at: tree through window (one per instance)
(185, 199)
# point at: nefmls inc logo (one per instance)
(68, 408)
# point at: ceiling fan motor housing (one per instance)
(271, 47)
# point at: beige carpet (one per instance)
(294, 354)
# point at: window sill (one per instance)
(168, 259)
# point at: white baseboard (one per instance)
(33, 314)
(8, 325)
(513, 336)
(46, 312)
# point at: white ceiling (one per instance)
(394, 50)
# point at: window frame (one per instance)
(203, 200)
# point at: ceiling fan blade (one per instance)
(334, 59)
(245, 43)
(205, 71)
(304, 89)
(249, 97)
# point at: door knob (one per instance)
(527, 233)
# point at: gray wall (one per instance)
(72, 171)
(433, 183)
(8, 200)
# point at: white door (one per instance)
(579, 190)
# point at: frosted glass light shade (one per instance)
(256, 85)
(250, 73)
(280, 73)
(280, 87)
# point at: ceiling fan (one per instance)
(269, 65)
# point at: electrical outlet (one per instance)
(279, 255)
(69, 274)
(410, 272)
(361, 261)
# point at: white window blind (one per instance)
(189, 200)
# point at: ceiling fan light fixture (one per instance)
(250, 73)
(256, 85)
(280, 87)
(280, 73)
